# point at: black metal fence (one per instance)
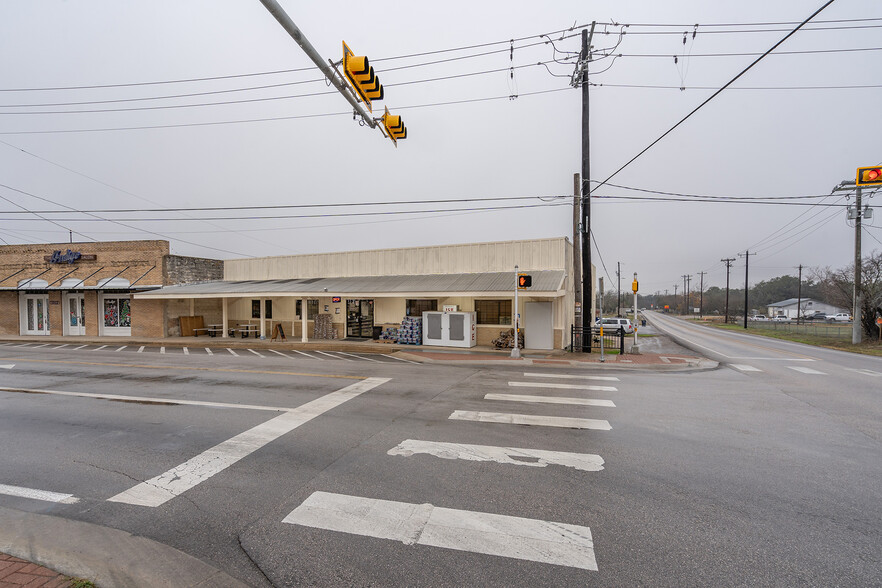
(587, 339)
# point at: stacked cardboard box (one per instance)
(324, 327)
(411, 331)
(389, 334)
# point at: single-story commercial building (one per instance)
(75, 289)
(807, 306)
(352, 293)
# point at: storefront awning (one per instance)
(546, 283)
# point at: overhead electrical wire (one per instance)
(714, 95)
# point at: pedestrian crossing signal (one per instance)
(524, 281)
(360, 74)
(869, 176)
(394, 126)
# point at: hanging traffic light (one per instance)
(360, 74)
(524, 281)
(394, 126)
(869, 176)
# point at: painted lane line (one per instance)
(80, 347)
(569, 377)
(141, 349)
(462, 530)
(256, 353)
(550, 400)
(232, 352)
(7, 366)
(585, 462)
(25, 345)
(121, 348)
(564, 386)
(186, 351)
(359, 357)
(100, 348)
(208, 351)
(147, 399)
(43, 345)
(176, 481)
(279, 353)
(308, 355)
(400, 359)
(333, 356)
(745, 368)
(34, 494)
(865, 372)
(805, 370)
(62, 346)
(162, 349)
(529, 419)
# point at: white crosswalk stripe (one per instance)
(745, 368)
(35, 494)
(564, 386)
(805, 370)
(571, 377)
(425, 524)
(585, 462)
(164, 487)
(550, 400)
(529, 419)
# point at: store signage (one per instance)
(68, 257)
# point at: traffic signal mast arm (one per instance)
(273, 7)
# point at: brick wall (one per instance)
(9, 313)
(148, 318)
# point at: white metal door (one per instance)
(35, 315)
(76, 312)
(538, 325)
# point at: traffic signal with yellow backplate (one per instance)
(394, 126)
(360, 74)
(869, 176)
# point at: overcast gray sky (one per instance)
(156, 145)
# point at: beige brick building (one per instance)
(76, 289)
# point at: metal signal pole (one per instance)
(856, 327)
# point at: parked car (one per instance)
(841, 317)
(815, 316)
(617, 323)
(781, 318)
(758, 317)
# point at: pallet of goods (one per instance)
(411, 331)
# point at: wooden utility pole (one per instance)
(728, 261)
(701, 296)
(799, 295)
(580, 310)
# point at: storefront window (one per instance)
(493, 312)
(255, 309)
(117, 312)
(418, 307)
(312, 307)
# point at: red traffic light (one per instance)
(869, 176)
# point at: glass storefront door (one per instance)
(36, 315)
(76, 312)
(359, 318)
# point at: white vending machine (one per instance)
(450, 329)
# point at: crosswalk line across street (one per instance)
(528, 419)
(745, 368)
(551, 400)
(586, 462)
(563, 386)
(424, 524)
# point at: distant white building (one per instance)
(807, 306)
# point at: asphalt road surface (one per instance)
(287, 470)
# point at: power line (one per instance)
(506, 97)
(715, 94)
(800, 52)
(713, 197)
(681, 88)
(715, 200)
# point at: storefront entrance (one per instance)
(35, 319)
(359, 318)
(75, 309)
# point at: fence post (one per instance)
(621, 340)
